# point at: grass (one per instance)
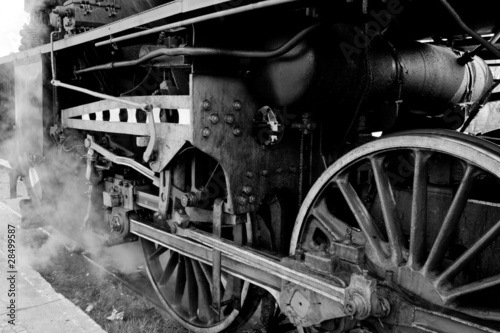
(74, 277)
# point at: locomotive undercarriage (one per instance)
(244, 161)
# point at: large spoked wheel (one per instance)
(426, 206)
(184, 286)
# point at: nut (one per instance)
(206, 132)
(237, 105)
(236, 131)
(247, 189)
(242, 200)
(214, 118)
(206, 105)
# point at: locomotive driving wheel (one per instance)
(426, 208)
(184, 286)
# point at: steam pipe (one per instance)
(468, 30)
(493, 40)
(219, 14)
(205, 51)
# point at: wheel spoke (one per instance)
(362, 215)
(158, 252)
(208, 273)
(472, 288)
(388, 205)
(192, 290)
(451, 220)
(180, 281)
(204, 290)
(418, 227)
(169, 269)
(470, 254)
(331, 224)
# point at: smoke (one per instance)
(57, 175)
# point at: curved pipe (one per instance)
(205, 51)
(468, 30)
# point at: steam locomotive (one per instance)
(342, 156)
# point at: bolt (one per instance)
(237, 105)
(249, 174)
(116, 224)
(242, 200)
(229, 119)
(236, 131)
(188, 200)
(206, 132)
(214, 118)
(247, 189)
(264, 173)
(350, 308)
(206, 105)
(252, 199)
(87, 143)
(299, 254)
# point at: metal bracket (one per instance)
(152, 131)
(91, 144)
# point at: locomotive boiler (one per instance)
(340, 156)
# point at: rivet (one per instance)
(206, 132)
(236, 131)
(206, 105)
(252, 199)
(237, 105)
(229, 119)
(264, 172)
(249, 174)
(214, 118)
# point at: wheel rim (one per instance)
(423, 267)
(184, 286)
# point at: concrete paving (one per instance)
(39, 308)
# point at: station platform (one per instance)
(39, 308)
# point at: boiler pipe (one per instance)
(204, 51)
(233, 11)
